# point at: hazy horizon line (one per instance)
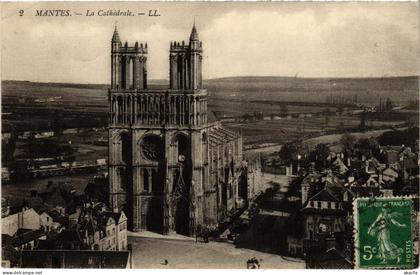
(226, 77)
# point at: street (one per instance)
(152, 253)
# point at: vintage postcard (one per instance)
(203, 135)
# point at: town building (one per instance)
(75, 259)
(25, 218)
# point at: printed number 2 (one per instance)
(368, 252)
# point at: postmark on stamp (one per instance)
(383, 232)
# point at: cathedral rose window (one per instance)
(151, 148)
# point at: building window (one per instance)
(319, 204)
(121, 227)
(311, 203)
(329, 205)
(145, 180)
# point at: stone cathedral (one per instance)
(172, 166)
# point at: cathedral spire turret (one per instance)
(185, 63)
(194, 34)
(116, 36)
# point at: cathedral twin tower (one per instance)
(129, 71)
(170, 169)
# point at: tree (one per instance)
(389, 105)
(407, 137)
(348, 143)
(289, 151)
(57, 123)
(368, 146)
(319, 155)
(283, 109)
(8, 146)
(363, 120)
(327, 112)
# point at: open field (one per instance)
(368, 90)
(282, 130)
(30, 105)
(233, 107)
(33, 106)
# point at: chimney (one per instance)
(305, 193)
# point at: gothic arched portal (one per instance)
(181, 198)
(154, 218)
(126, 174)
(153, 178)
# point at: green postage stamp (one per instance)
(383, 232)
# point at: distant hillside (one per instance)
(153, 82)
(400, 90)
(267, 83)
(8, 83)
(250, 83)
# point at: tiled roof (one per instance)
(221, 135)
(324, 195)
(8, 252)
(69, 236)
(363, 191)
(323, 211)
(211, 117)
(26, 236)
(57, 217)
(46, 244)
(6, 240)
(22, 231)
(115, 215)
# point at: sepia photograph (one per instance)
(209, 135)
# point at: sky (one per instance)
(239, 39)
